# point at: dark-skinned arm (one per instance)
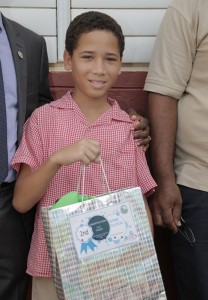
(140, 128)
(166, 202)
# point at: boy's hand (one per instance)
(84, 150)
(141, 128)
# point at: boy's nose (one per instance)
(99, 67)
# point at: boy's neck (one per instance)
(92, 109)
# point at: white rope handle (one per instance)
(104, 175)
(83, 182)
(82, 176)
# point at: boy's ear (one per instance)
(67, 60)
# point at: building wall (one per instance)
(140, 20)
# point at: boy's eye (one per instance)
(87, 56)
(111, 58)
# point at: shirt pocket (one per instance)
(125, 166)
(125, 149)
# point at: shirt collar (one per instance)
(67, 102)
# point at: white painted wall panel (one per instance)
(140, 27)
(138, 49)
(51, 43)
(63, 20)
(42, 21)
(120, 3)
(28, 3)
(140, 20)
(134, 22)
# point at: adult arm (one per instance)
(166, 201)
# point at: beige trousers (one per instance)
(43, 289)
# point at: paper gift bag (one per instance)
(103, 249)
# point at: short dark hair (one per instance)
(88, 22)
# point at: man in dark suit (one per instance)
(24, 70)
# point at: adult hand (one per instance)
(165, 205)
(141, 128)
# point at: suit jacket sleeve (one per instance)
(44, 91)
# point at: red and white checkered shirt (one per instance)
(60, 123)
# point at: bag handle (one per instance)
(82, 176)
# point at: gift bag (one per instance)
(68, 199)
(103, 249)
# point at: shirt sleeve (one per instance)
(30, 150)
(145, 180)
(173, 54)
(44, 89)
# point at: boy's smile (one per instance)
(95, 65)
(98, 83)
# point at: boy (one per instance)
(78, 128)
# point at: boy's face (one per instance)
(95, 64)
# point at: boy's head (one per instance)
(91, 21)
